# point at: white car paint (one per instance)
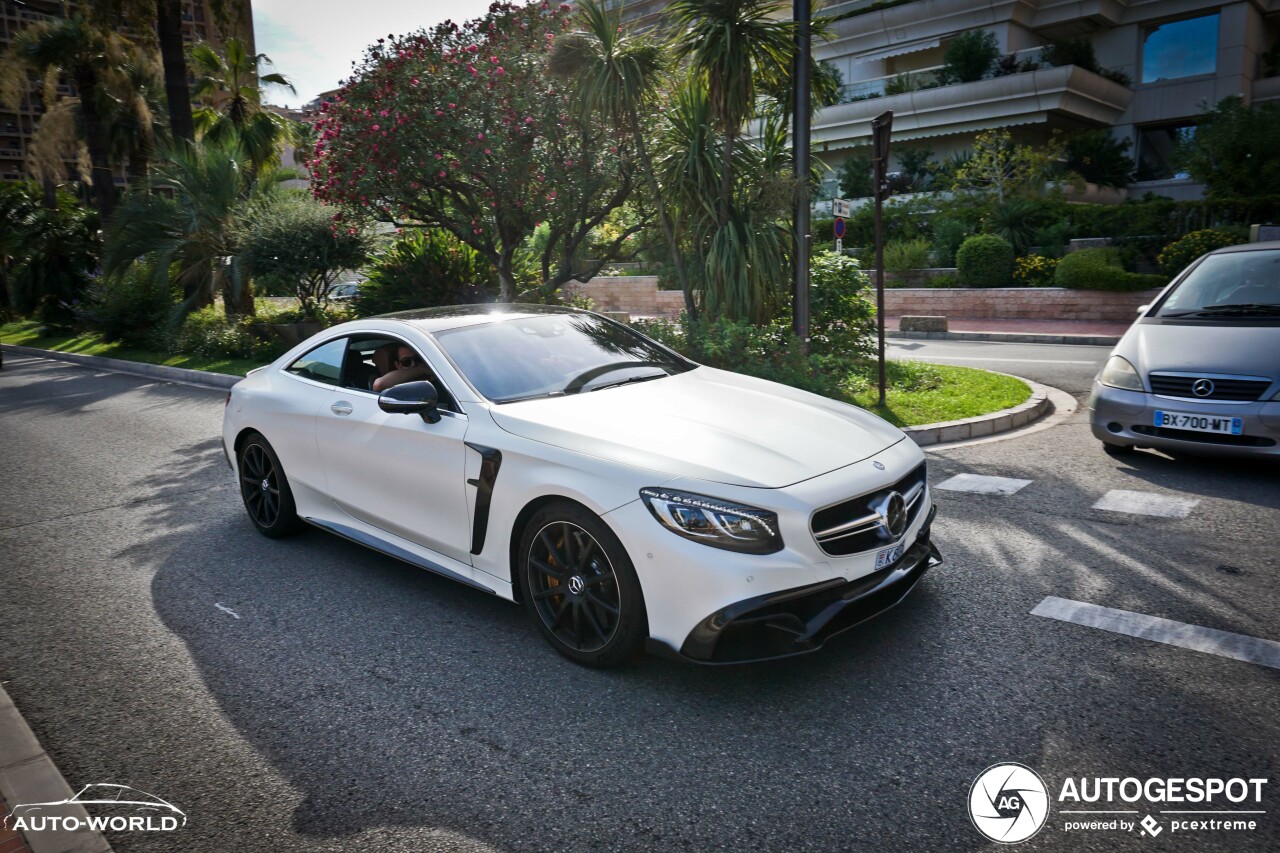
(408, 488)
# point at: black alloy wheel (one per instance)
(580, 587)
(265, 489)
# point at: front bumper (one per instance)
(800, 620)
(1126, 418)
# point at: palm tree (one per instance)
(229, 87)
(90, 56)
(617, 74)
(735, 48)
(193, 224)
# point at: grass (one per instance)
(922, 393)
(32, 334)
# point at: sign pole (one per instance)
(800, 132)
(881, 127)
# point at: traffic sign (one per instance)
(840, 208)
(839, 227)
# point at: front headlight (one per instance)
(1119, 373)
(711, 521)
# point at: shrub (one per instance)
(948, 234)
(1101, 269)
(855, 174)
(985, 260)
(903, 255)
(135, 308)
(1100, 158)
(208, 333)
(970, 56)
(1053, 239)
(424, 270)
(945, 279)
(1071, 51)
(840, 310)
(1177, 255)
(1034, 271)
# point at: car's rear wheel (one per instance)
(580, 586)
(265, 489)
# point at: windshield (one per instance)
(553, 355)
(1233, 284)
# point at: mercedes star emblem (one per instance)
(1202, 387)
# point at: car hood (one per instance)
(708, 424)
(1244, 350)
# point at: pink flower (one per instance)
(487, 151)
(453, 106)
(442, 173)
(414, 81)
(479, 136)
(527, 120)
(439, 112)
(377, 127)
(384, 113)
(500, 72)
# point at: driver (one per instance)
(397, 363)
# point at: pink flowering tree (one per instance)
(461, 128)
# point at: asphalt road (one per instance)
(349, 702)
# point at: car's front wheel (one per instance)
(1118, 450)
(580, 586)
(265, 489)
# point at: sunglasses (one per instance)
(408, 361)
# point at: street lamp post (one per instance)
(881, 127)
(800, 133)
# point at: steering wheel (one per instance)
(579, 382)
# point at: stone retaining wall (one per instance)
(639, 296)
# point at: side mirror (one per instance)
(411, 398)
(1142, 309)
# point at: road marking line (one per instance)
(983, 485)
(1181, 634)
(986, 358)
(1146, 503)
(226, 610)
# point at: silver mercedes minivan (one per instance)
(1199, 372)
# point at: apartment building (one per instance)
(1180, 57)
(17, 126)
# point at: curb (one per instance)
(28, 775)
(199, 378)
(982, 426)
(1010, 338)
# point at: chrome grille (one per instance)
(1237, 390)
(854, 525)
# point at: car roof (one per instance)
(432, 320)
(1248, 247)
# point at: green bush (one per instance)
(985, 260)
(903, 255)
(1034, 271)
(970, 56)
(841, 313)
(425, 270)
(1101, 269)
(948, 234)
(207, 333)
(1181, 252)
(135, 308)
(942, 280)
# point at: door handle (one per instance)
(342, 407)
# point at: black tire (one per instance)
(580, 587)
(264, 488)
(1118, 450)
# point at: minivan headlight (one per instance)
(711, 521)
(1119, 373)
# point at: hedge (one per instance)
(985, 260)
(1100, 269)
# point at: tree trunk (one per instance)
(506, 277)
(95, 139)
(173, 55)
(668, 229)
(237, 299)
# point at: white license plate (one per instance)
(889, 556)
(1200, 423)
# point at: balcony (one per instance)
(1016, 99)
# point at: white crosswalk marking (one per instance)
(1146, 503)
(982, 484)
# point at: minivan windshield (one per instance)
(1230, 285)
(551, 355)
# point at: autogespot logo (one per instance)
(1008, 803)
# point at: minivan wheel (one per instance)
(1118, 449)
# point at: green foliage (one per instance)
(209, 333)
(999, 168)
(1052, 239)
(903, 255)
(841, 313)
(1071, 51)
(1233, 151)
(985, 260)
(229, 89)
(915, 163)
(294, 245)
(855, 174)
(1101, 158)
(969, 56)
(134, 307)
(48, 254)
(1181, 252)
(1101, 269)
(943, 280)
(1015, 220)
(425, 269)
(1034, 271)
(948, 234)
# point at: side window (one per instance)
(322, 364)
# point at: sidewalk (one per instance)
(1087, 332)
